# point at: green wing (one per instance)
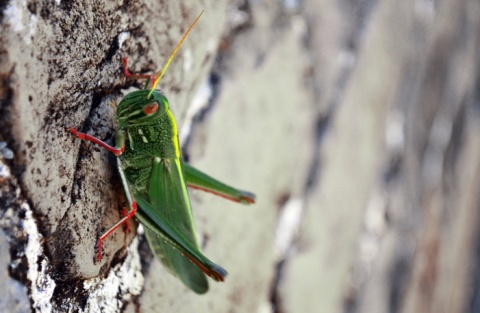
(169, 227)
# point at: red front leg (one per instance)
(127, 73)
(117, 151)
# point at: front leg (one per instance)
(117, 150)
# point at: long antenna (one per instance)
(159, 74)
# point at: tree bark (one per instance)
(355, 123)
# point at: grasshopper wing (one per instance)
(170, 230)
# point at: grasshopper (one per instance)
(155, 180)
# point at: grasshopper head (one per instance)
(138, 107)
(147, 105)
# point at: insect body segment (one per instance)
(137, 108)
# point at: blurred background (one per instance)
(356, 123)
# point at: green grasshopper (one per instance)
(155, 179)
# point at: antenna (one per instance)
(159, 74)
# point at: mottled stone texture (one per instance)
(355, 123)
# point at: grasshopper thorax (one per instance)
(137, 107)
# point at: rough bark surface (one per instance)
(355, 123)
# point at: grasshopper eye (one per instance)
(150, 108)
